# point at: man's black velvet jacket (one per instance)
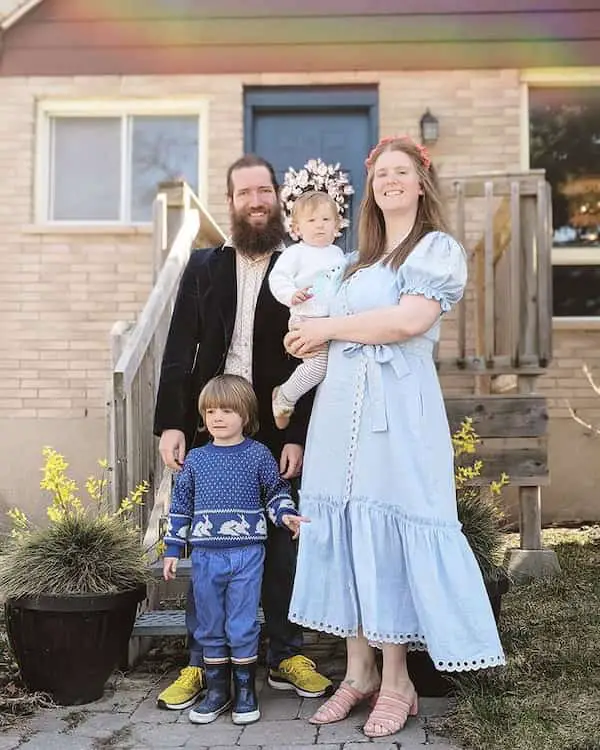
(198, 342)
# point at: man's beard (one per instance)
(253, 241)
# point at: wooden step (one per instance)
(184, 569)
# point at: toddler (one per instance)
(221, 500)
(304, 279)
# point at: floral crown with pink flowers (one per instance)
(319, 176)
(423, 152)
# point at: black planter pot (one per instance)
(68, 646)
(429, 681)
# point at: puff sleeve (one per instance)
(436, 269)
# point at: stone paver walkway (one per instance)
(127, 718)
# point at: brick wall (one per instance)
(60, 293)
(574, 452)
(565, 383)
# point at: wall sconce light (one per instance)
(430, 128)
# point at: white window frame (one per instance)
(558, 78)
(49, 108)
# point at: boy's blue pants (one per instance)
(227, 583)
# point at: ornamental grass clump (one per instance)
(478, 508)
(83, 549)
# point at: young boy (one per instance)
(221, 499)
(304, 278)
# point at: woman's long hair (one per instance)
(371, 226)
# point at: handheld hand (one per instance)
(307, 337)
(169, 568)
(301, 296)
(293, 523)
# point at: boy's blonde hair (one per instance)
(310, 201)
(231, 392)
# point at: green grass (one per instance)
(548, 696)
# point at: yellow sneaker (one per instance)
(184, 692)
(300, 674)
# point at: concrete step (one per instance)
(167, 622)
(160, 622)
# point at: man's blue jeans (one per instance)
(227, 583)
(285, 638)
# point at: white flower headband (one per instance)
(316, 175)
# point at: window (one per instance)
(564, 139)
(103, 164)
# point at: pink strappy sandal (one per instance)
(341, 703)
(390, 714)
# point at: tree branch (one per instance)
(588, 374)
(580, 421)
(596, 388)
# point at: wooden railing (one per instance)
(505, 325)
(504, 337)
(179, 219)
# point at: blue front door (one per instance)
(298, 129)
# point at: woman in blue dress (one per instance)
(384, 562)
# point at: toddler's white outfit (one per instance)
(298, 267)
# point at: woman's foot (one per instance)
(282, 409)
(345, 698)
(391, 711)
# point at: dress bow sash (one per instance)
(377, 356)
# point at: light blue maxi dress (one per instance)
(384, 551)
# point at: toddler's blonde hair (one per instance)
(309, 201)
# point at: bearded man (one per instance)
(225, 319)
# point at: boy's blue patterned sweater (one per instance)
(221, 494)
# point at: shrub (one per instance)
(82, 550)
(478, 508)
